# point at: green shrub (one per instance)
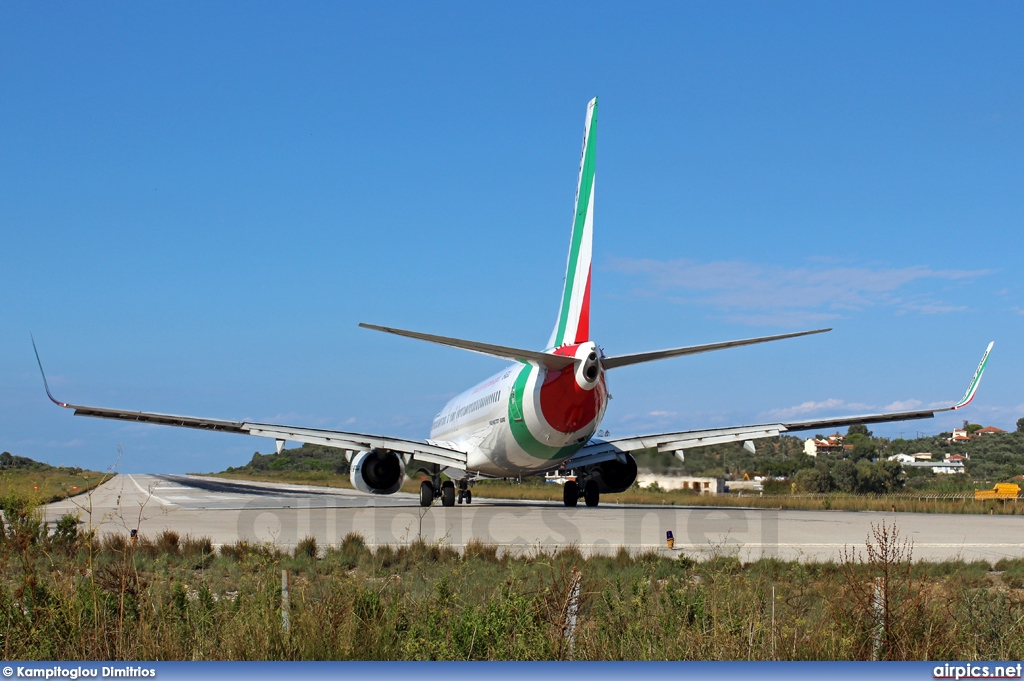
(65, 532)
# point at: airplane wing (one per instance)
(606, 450)
(421, 451)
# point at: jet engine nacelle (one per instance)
(588, 369)
(378, 471)
(613, 476)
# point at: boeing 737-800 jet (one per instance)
(537, 415)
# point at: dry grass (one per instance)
(173, 598)
(321, 478)
(838, 502)
(535, 491)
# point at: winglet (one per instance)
(972, 389)
(45, 384)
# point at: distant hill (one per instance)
(10, 462)
(304, 459)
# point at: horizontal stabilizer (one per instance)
(555, 362)
(626, 360)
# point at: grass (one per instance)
(48, 485)
(320, 478)
(171, 597)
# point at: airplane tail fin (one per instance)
(573, 325)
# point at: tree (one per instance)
(1020, 425)
(813, 480)
(973, 428)
(844, 475)
(868, 479)
(892, 475)
(864, 448)
(858, 428)
(280, 463)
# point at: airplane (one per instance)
(537, 415)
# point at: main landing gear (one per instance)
(426, 493)
(434, 488)
(571, 493)
(465, 494)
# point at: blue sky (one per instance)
(198, 203)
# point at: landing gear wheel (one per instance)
(591, 493)
(447, 493)
(570, 493)
(426, 493)
(469, 497)
(459, 497)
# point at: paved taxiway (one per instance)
(228, 511)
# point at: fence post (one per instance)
(571, 610)
(286, 624)
(879, 607)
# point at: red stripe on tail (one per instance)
(583, 328)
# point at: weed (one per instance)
(194, 547)
(307, 548)
(476, 550)
(169, 542)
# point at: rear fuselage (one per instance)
(527, 418)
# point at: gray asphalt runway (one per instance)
(229, 511)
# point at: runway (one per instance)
(227, 511)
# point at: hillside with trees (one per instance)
(304, 459)
(862, 468)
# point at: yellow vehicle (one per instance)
(1003, 490)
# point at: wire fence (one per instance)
(902, 496)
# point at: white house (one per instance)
(939, 467)
(952, 464)
(947, 467)
(959, 435)
(667, 482)
(833, 443)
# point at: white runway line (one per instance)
(148, 493)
